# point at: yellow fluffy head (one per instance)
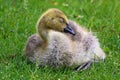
(54, 19)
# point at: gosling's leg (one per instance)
(84, 66)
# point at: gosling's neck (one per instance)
(43, 33)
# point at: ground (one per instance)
(17, 22)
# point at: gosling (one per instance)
(62, 42)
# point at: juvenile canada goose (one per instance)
(61, 42)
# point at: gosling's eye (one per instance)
(52, 18)
(61, 20)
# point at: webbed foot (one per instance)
(83, 66)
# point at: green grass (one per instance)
(17, 22)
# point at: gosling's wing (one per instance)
(33, 43)
(90, 44)
(89, 41)
(80, 31)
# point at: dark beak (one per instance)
(69, 30)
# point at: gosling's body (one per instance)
(64, 49)
(55, 54)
